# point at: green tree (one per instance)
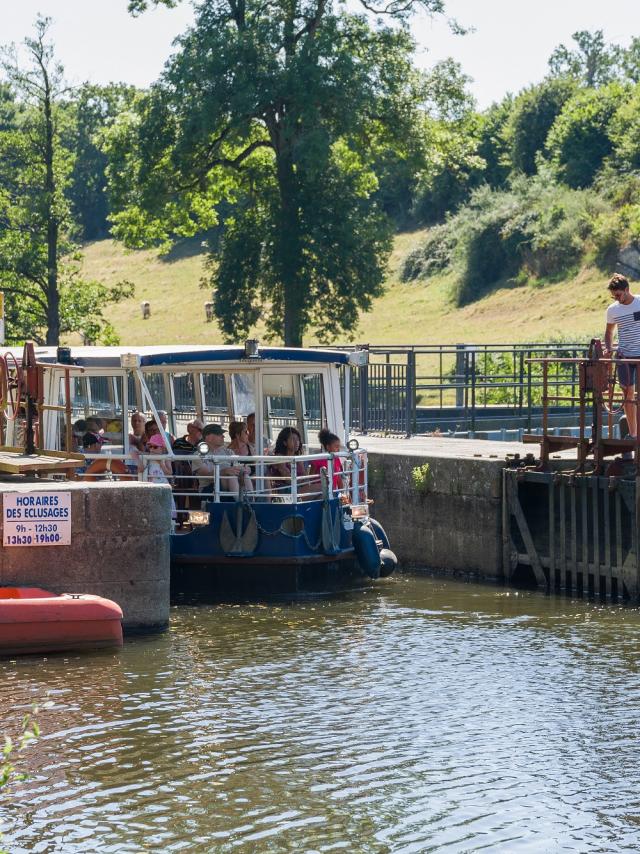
(493, 142)
(631, 61)
(580, 138)
(281, 109)
(534, 112)
(592, 62)
(39, 266)
(625, 132)
(94, 109)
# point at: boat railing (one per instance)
(224, 478)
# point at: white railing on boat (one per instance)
(349, 483)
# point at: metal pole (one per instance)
(408, 394)
(473, 390)
(460, 363)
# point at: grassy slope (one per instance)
(415, 313)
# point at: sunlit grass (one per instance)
(408, 313)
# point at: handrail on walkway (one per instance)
(405, 384)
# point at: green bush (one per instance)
(581, 136)
(432, 257)
(536, 229)
(422, 479)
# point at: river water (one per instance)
(420, 715)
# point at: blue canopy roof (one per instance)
(110, 357)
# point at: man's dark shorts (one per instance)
(626, 373)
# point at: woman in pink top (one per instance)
(331, 444)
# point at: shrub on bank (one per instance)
(535, 228)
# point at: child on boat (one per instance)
(330, 443)
(159, 471)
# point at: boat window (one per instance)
(158, 390)
(293, 400)
(244, 395)
(97, 397)
(184, 400)
(132, 393)
(313, 410)
(215, 407)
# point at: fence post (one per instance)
(529, 401)
(473, 390)
(387, 394)
(410, 393)
(363, 382)
(459, 374)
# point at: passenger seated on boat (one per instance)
(288, 444)
(231, 475)
(95, 425)
(79, 429)
(103, 468)
(164, 420)
(330, 443)
(182, 469)
(159, 471)
(239, 435)
(251, 429)
(137, 437)
(150, 429)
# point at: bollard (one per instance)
(145, 305)
(208, 310)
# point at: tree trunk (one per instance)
(53, 297)
(290, 260)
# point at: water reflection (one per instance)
(424, 715)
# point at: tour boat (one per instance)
(259, 533)
(33, 620)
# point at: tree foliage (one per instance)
(592, 61)
(580, 138)
(39, 267)
(534, 113)
(93, 110)
(282, 110)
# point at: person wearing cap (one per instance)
(104, 467)
(214, 436)
(159, 471)
(189, 442)
(92, 443)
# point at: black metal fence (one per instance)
(412, 389)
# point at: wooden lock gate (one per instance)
(571, 532)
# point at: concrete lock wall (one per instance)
(455, 526)
(119, 549)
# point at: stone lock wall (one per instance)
(119, 549)
(455, 526)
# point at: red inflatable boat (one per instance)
(34, 620)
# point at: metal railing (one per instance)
(404, 386)
(207, 477)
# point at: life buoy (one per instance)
(380, 533)
(366, 549)
(388, 562)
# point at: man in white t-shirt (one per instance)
(624, 314)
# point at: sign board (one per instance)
(36, 519)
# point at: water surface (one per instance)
(422, 715)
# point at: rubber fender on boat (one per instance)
(380, 532)
(388, 562)
(366, 549)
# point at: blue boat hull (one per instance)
(299, 548)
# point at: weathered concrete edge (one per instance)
(120, 549)
(455, 526)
